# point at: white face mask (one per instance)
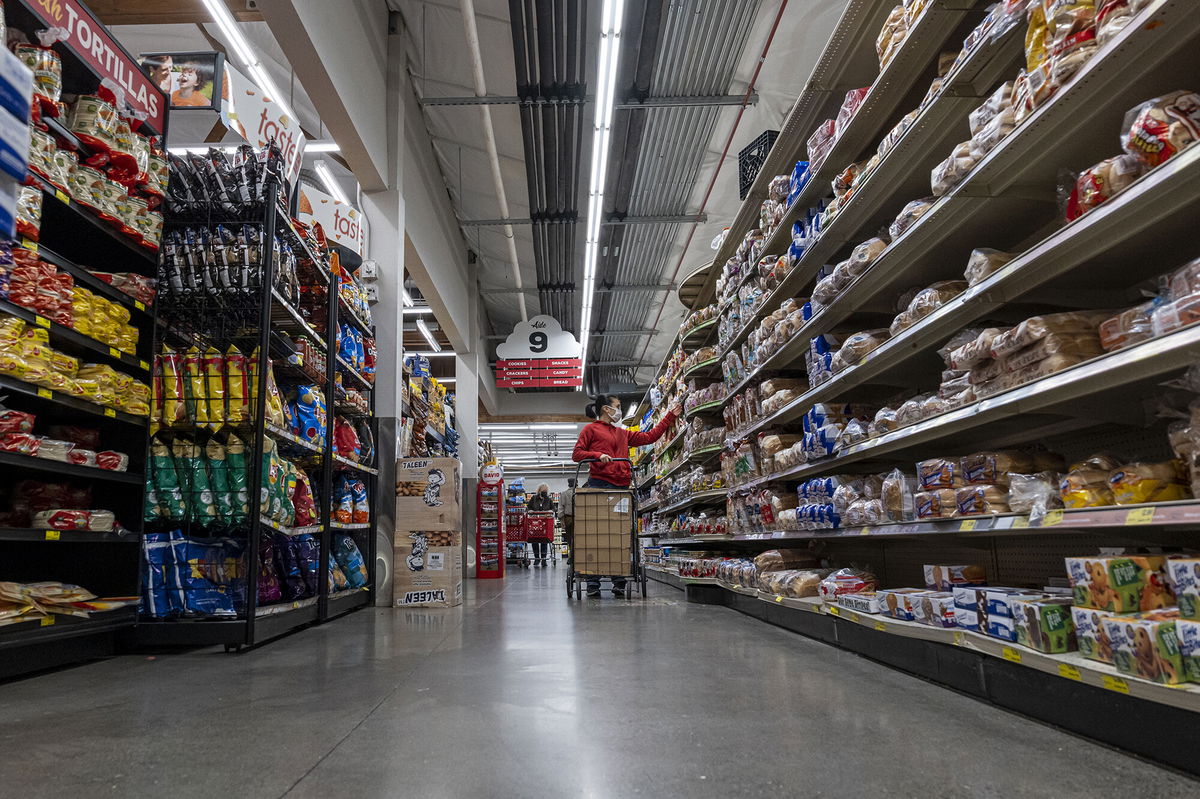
(614, 414)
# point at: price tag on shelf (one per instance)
(881, 627)
(29, 245)
(41, 321)
(110, 413)
(295, 605)
(1020, 523)
(968, 524)
(45, 393)
(114, 352)
(61, 196)
(1052, 518)
(959, 639)
(865, 531)
(53, 535)
(144, 365)
(141, 306)
(48, 621)
(1011, 655)
(1140, 516)
(1069, 671)
(779, 599)
(1116, 684)
(834, 610)
(854, 617)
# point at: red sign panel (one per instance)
(575, 373)
(88, 39)
(576, 363)
(515, 373)
(538, 382)
(515, 364)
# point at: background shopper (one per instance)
(541, 503)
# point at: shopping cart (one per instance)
(539, 528)
(604, 542)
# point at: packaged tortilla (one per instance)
(238, 395)
(214, 385)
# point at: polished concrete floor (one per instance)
(522, 693)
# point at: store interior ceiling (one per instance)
(689, 65)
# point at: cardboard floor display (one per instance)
(428, 494)
(427, 556)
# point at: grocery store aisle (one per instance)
(521, 693)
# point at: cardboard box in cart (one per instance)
(427, 565)
(428, 494)
(602, 531)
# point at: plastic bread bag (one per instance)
(1071, 25)
(1113, 15)
(930, 299)
(897, 497)
(949, 173)
(993, 468)
(909, 216)
(1037, 37)
(854, 432)
(1095, 185)
(996, 103)
(1033, 494)
(973, 352)
(984, 263)
(911, 411)
(75, 520)
(977, 500)
(237, 469)
(955, 384)
(939, 473)
(1173, 315)
(1085, 485)
(857, 346)
(1140, 482)
(884, 422)
(865, 254)
(940, 503)
(1084, 345)
(992, 133)
(1036, 328)
(846, 581)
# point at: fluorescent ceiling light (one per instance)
(434, 354)
(446, 379)
(322, 147)
(405, 297)
(428, 335)
(421, 310)
(611, 17)
(331, 185)
(245, 53)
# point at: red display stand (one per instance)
(489, 524)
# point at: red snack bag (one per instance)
(345, 440)
(19, 443)
(16, 421)
(1158, 129)
(113, 461)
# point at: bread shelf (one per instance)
(32, 463)
(69, 536)
(708, 368)
(709, 497)
(708, 407)
(72, 341)
(67, 401)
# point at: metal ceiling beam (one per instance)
(628, 103)
(568, 289)
(611, 219)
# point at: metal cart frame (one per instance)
(637, 573)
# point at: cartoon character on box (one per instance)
(1146, 646)
(416, 558)
(433, 488)
(1184, 574)
(1189, 647)
(1120, 584)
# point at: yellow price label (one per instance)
(778, 599)
(144, 365)
(295, 605)
(1140, 516)
(114, 352)
(41, 321)
(968, 524)
(834, 610)
(854, 617)
(959, 639)
(47, 621)
(1011, 655)
(881, 627)
(1052, 518)
(865, 531)
(1021, 523)
(141, 306)
(45, 393)
(1116, 684)
(53, 535)
(1069, 671)
(29, 245)
(61, 196)
(110, 413)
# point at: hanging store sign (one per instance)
(259, 120)
(88, 39)
(492, 474)
(343, 224)
(189, 79)
(539, 354)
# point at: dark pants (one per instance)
(541, 549)
(593, 583)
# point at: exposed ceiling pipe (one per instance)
(489, 137)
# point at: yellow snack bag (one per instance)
(174, 407)
(11, 330)
(82, 310)
(194, 387)
(61, 362)
(237, 396)
(1035, 37)
(37, 335)
(214, 380)
(274, 399)
(252, 381)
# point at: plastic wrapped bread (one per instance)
(1159, 129)
(949, 173)
(773, 443)
(1036, 328)
(953, 384)
(1098, 184)
(986, 371)
(1085, 485)
(1085, 345)
(884, 422)
(1043, 368)
(909, 216)
(897, 497)
(1033, 493)
(857, 347)
(977, 500)
(928, 300)
(1071, 25)
(997, 102)
(1174, 315)
(975, 351)
(993, 133)
(1113, 15)
(993, 468)
(893, 32)
(939, 473)
(1139, 482)
(911, 411)
(776, 384)
(938, 504)
(984, 263)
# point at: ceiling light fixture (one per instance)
(331, 186)
(322, 147)
(246, 54)
(423, 309)
(428, 335)
(406, 298)
(435, 354)
(606, 76)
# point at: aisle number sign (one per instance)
(539, 354)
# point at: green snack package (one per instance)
(218, 475)
(190, 464)
(237, 470)
(166, 482)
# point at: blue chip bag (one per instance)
(351, 561)
(308, 556)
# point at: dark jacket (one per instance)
(541, 502)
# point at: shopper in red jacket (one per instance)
(603, 441)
